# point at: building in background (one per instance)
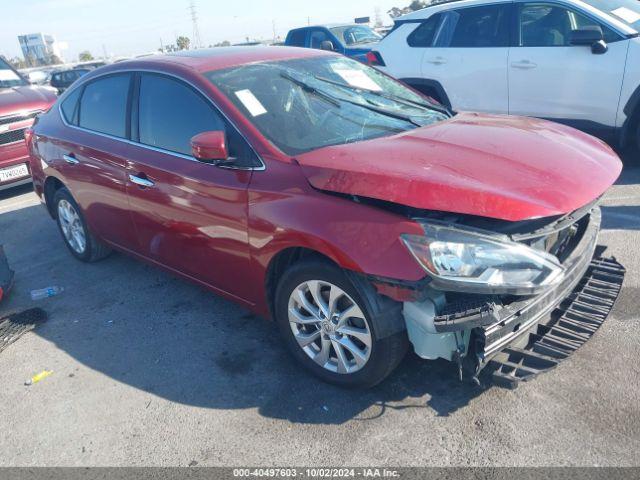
(39, 49)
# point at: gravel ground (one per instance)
(152, 370)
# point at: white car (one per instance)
(571, 61)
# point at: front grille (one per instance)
(560, 242)
(18, 118)
(12, 136)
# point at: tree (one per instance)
(226, 43)
(85, 56)
(415, 5)
(183, 43)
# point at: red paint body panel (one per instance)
(222, 228)
(15, 101)
(499, 167)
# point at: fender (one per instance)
(424, 85)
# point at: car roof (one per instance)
(205, 60)
(331, 25)
(428, 11)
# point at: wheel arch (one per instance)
(429, 87)
(51, 185)
(632, 123)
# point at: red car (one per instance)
(360, 216)
(19, 104)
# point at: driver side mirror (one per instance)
(211, 147)
(327, 45)
(590, 36)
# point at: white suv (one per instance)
(571, 61)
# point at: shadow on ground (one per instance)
(152, 331)
(147, 329)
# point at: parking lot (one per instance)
(152, 370)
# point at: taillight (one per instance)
(375, 59)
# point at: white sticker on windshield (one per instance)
(626, 14)
(6, 75)
(358, 79)
(251, 103)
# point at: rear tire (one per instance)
(358, 349)
(73, 228)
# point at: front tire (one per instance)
(334, 328)
(75, 233)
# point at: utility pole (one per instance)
(194, 20)
(273, 24)
(161, 45)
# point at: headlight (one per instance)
(472, 262)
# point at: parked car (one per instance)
(352, 40)
(19, 104)
(64, 79)
(317, 191)
(572, 61)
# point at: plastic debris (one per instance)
(46, 293)
(38, 377)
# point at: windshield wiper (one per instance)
(393, 98)
(308, 88)
(336, 100)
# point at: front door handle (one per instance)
(141, 181)
(524, 65)
(437, 61)
(71, 159)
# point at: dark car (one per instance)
(352, 40)
(317, 191)
(65, 78)
(20, 102)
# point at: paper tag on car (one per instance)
(251, 103)
(6, 75)
(358, 79)
(626, 14)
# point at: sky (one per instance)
(126, 27)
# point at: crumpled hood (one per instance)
(17, 99)
(509, 168)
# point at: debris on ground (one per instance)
(46, 293)
(13, 326)
(38, 377)
(6, 275)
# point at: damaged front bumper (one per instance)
(517, 340)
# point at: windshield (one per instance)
(8, 77)
(304, 104)
(627, 11)
(355, 34)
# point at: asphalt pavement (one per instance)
(149, 369)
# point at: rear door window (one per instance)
(423, 36)
(475, 27)
(69, 107)
(103, 106)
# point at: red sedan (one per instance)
(361, 216)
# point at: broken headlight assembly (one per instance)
(474, 262)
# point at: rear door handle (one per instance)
(524, 65)
(437, 61)
(71, 159)
(141, 181)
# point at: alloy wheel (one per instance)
(72, 228)
(330, 327)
